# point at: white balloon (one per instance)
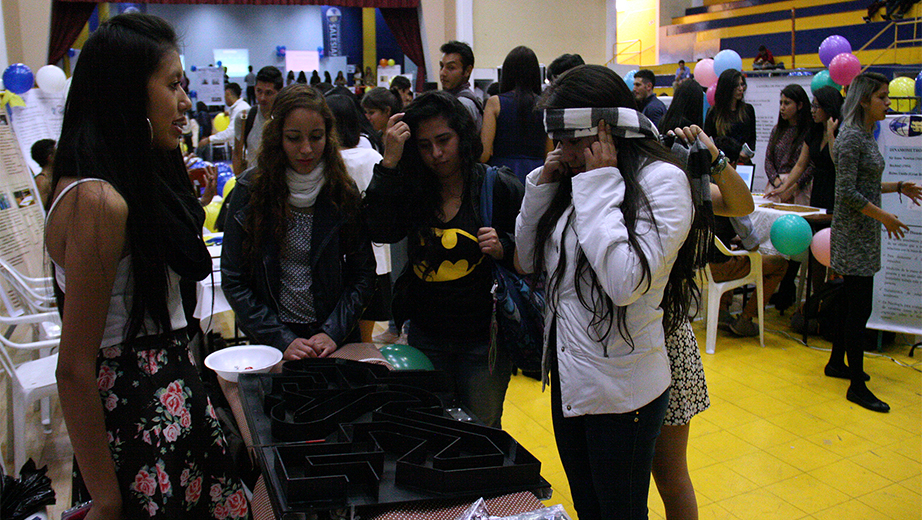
(51, 79)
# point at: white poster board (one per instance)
(22, 220)
(387, 74)
(897, 303)
(41, 118)
(764, 95)
(208, 85)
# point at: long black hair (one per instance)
(522, 75)
(830, 100)
(427, 209)
(724, 117)
(347, 120)
(804, 121)
(597, 86)
(164, 222)
(687, 107)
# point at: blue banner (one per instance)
(332, 31)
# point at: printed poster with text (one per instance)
(21, 215)
(898, 284)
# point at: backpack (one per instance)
(517, 324)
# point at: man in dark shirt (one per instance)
(455, 70)
(647, 101)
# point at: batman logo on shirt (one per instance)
(459, 252)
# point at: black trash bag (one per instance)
(22, 497)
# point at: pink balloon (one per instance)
(704, 72)
(844, 67)
(819, 246)
(712, 91)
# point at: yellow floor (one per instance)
(779, 441)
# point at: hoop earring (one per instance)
(150, 131)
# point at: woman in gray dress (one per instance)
(856, 227)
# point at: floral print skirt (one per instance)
(168, 447)
(688, 394)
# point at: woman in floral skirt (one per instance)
(123, 229)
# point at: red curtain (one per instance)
(404, 23)
(67, 20)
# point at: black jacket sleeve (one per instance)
(358, 284)
(257, 319)
(386, 207)
(507, 200)
(750, 126)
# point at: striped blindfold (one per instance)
(570, 123)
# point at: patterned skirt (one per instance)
(168, 447)
(688, 394)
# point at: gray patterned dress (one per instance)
(855, 243)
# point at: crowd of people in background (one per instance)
(586, 197)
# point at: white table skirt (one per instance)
(763, 218)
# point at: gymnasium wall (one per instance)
(548, 27)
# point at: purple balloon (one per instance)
(832, 47)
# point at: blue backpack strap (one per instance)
(486, 196)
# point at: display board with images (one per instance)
(898, 285)
(21, 216)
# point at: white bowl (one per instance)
(246, 359)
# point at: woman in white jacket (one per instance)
(606, 219)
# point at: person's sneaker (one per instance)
(744, 327)
(864, 398)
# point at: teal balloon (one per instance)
(405, 357)
(823, 79)
(791, 235)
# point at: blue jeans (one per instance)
(607, 457)
(477, 387)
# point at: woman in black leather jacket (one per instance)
(297, 266)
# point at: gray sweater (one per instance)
(855, 236)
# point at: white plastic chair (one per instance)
(37, 293)
(30, 381)
(716, 289)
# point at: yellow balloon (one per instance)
(220, 122)
(228, 186)
(903, 87)
(211, 214)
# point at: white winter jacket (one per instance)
(626, 379)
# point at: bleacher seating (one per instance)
(744, 25)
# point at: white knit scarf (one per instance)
(304, 188)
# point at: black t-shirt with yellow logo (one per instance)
(453, 299)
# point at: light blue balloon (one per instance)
(727, 60)
(629, 78)
(791, 235)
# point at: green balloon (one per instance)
(405, 357)
(823, 79)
